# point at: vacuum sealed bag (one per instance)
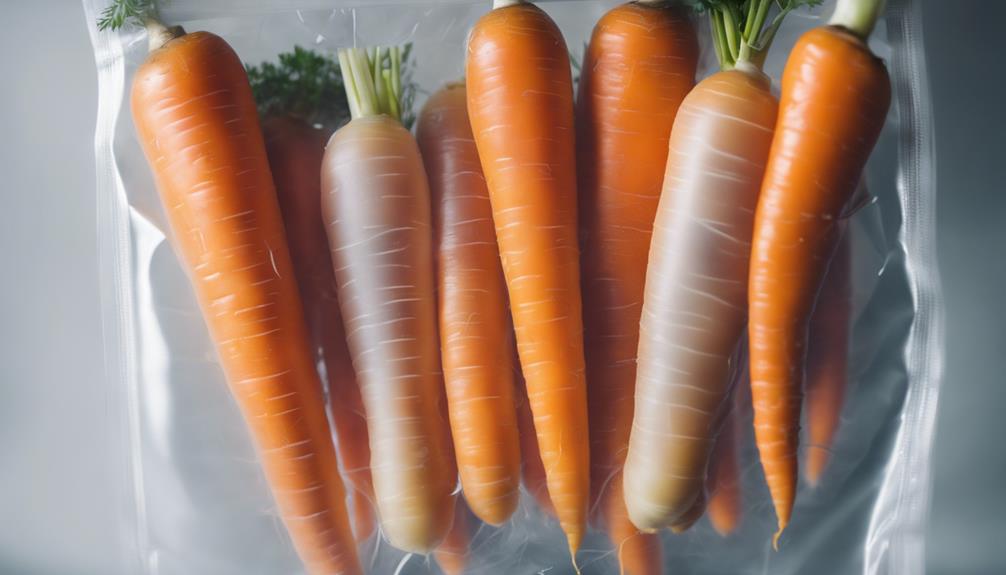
(424, 286)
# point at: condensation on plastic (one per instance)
(194, 500)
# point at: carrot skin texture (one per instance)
(295, 150)
(199, 128)
(828, 361)
(376, 207)
(474, 320)
(696, 292)
(532, 469)
(639, 66)
(835, 96)
(522, 119)
(724, 507)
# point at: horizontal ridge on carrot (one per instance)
(637, 69)
(296, 125)
(474, 320)
(695, 298)
(197, 123)
(835, 98)
(376, 208)
(520, 104)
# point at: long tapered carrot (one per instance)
(376, 207)
(295, 150)
(474, 319)
(197, 123)
(828, 361)
(694, 303)
(520, 103)
(637, 69)
(835, 96)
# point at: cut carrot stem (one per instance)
(474, 320)
(520, 103)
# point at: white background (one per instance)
(56, 513)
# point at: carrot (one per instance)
(197, 123)
(835, 96)
(724, 507)
(474, 320)
(637, 69)
(296, 124)
(532, 468)
(520, 103)
(453, 553)
(828, 362)
(295, 151)
(694, 301)
(376, 207)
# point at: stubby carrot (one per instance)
(637, 69)
(474, 319)
(828, 360)
(835, 97)
(520, 103)
(376, 208)
(199, 129)
(694, 303)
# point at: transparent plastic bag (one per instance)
(194, 499)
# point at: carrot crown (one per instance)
(857, 16)
(743, 30)
(373, 81)
(121, 13)
(308, 85)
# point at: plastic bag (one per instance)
(194, 499)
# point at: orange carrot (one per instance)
(376, 206)
(532, 469)
(197, 123)
(694, 302)
(835, 96)
(724, 507)
(828, 361)
(453, 553)
(637, 69)
(474, 320)
(295, 151)
(520, 103)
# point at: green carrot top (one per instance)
(743, 30)
(311, 86)
(373, 82)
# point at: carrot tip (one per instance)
(572, 556)
(775, 538)
(817, 459)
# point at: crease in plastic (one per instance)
(895, 541)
